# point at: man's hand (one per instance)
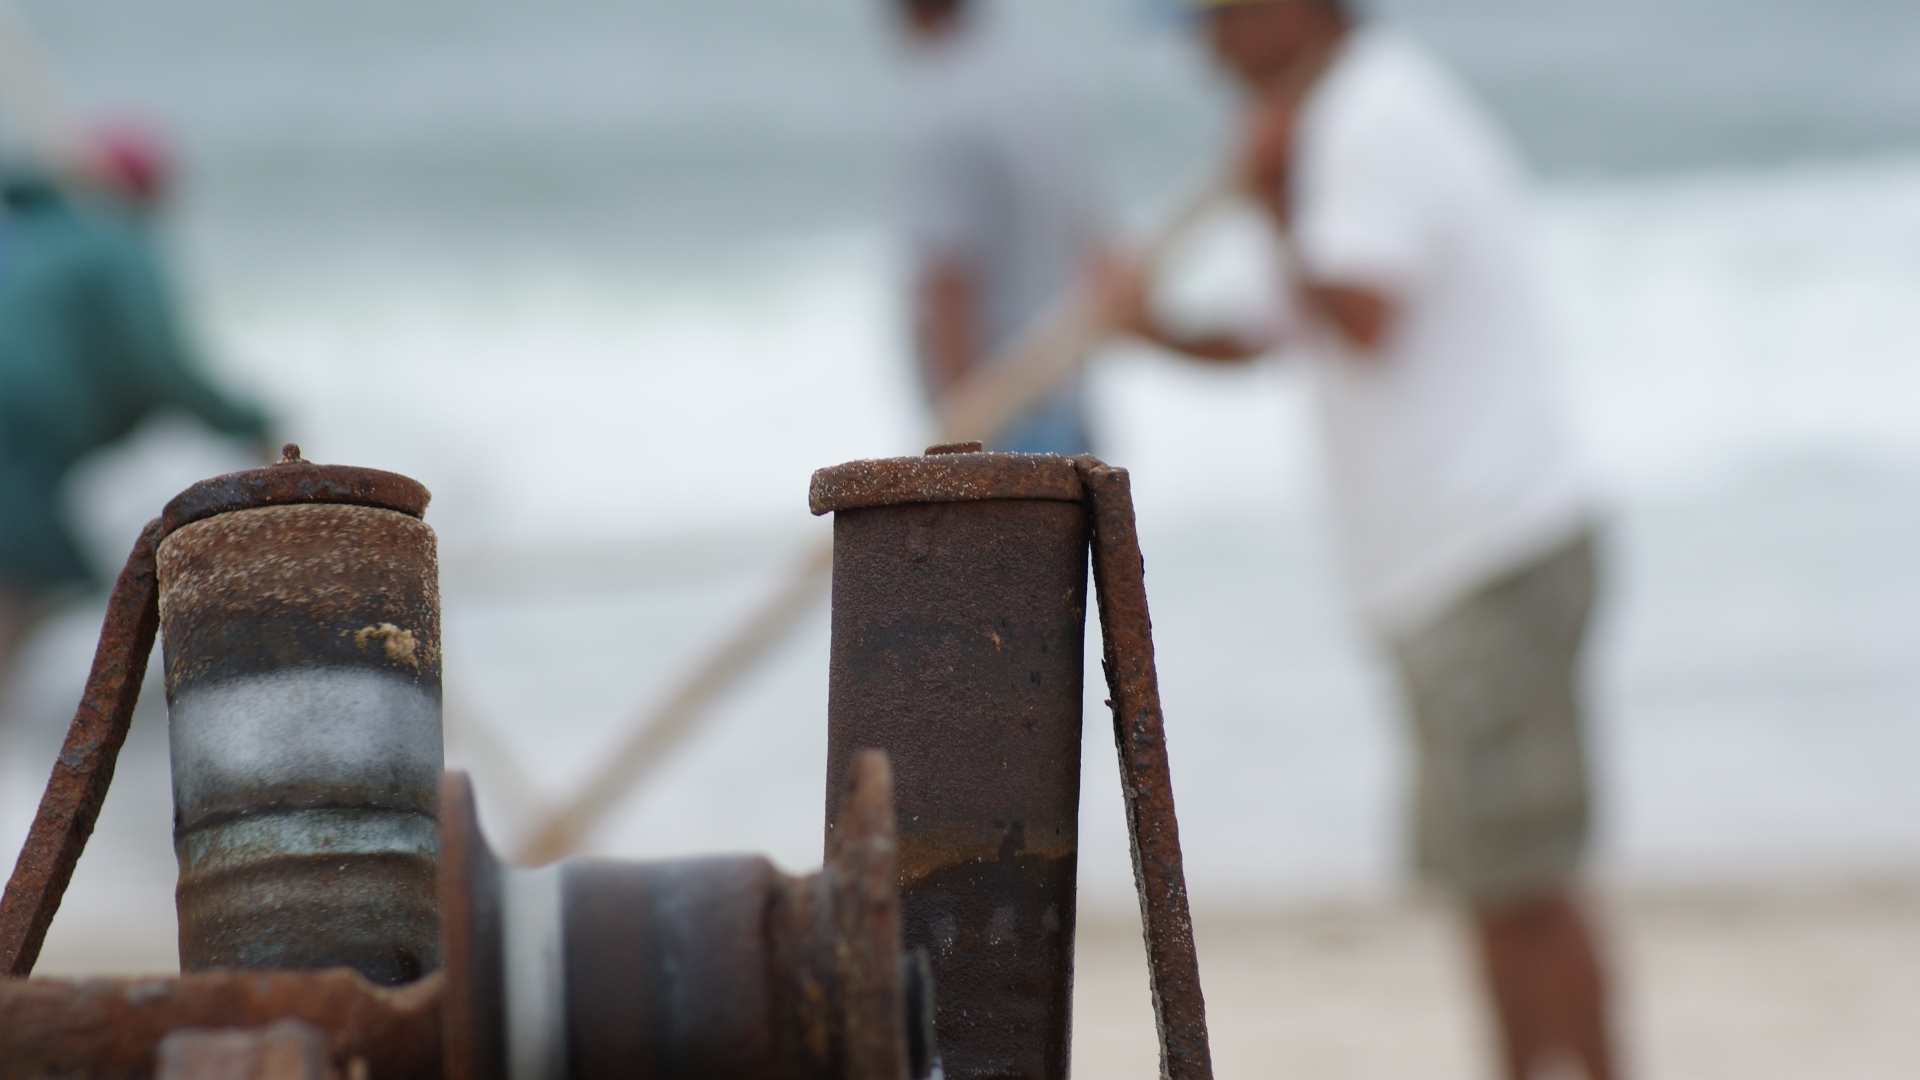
(1266, 150)
(1120, 286)
(949, 318)
(1361, 316)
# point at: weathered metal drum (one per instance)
(300, 615)
(717, 968)
(959, 611)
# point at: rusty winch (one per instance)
(342, 916)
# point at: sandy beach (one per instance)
(1815, 978)
(1753, 983)
(1727, 984)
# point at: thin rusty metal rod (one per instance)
(1146, 779)
(1048, 353)
(82, 773)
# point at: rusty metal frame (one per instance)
(112, 1028)
(55, 1025)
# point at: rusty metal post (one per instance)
(300, 617)
(959, 612)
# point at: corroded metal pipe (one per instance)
(959, 611)
(300, 616)
(717, 968)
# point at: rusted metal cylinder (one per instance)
(639, 970)
(719, 968)
(300, 616)
(959, 612)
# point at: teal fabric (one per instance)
(89, 347)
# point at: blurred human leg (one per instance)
(1501, 799)
(1542, 970)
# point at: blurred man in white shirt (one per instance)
(1464, 517)
(998, 209)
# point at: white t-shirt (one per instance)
(1450, 456)
(996, 175)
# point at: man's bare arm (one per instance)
(1207, 348)
(1123, 291)
(949, 320)
(1360, 315)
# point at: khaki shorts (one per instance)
(1493, 691)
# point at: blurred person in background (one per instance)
(998, 206)
(1466, 522)
(90, 345)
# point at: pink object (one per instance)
(133, 158)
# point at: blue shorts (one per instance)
(1058, 426)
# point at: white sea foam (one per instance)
(1743, 349)
(1713, 321)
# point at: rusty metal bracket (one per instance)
(1146, 778)
(84, 770)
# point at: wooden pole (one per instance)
(32, 101)
(661, 728)
(1043, 359)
